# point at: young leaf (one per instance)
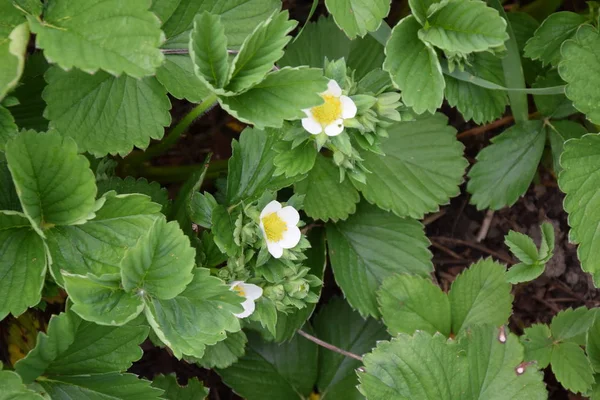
(223, 228)
(105, 114)
(161, 262)
(271, 371)
(295, 161)
(411, 303)
(100, 386)
(356, 17)
(522, 247)
(480, 295)
(12, 387)
(282, 95)
(558, 133)
(572, 368)
(537, 341)
(578, 68)
(110, 35)
(477, 367)
(326, 197)
(102, 299)
(545, 44)
(194, 390)
(55, 184)
(548, 241)
(224, 353)
(465, 27)
(414, 67)
(8, 128)
(259, 52)
(337, 324)
(99, 245)
(580, 180)
(413, 179)
(178, 77)
(72, 346)
(14, 36)
(22, 265)
(251, 167)
(523, 272)
(208, 50)
(370, 246)
(420, 9)
(197, 317)
(505, 169)
(200, 209)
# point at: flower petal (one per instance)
(333, 88)
(275, 249)
(289, 215)
(291, 238)
(235, 283)
(335, 128)
(249, 308)
(253, 292)
(270, 208)
(348, 107)
(312, 126)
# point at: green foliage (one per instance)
(370, 246)
(356, 17)
(532, 261)
(11, 387)
(194, 390)
(14, 35)
(475, 366)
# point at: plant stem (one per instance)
(496, 124)
(179, 173)
(329, 346)
(172, 137)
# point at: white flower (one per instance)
(330, 116)
(250, 292)
(279, 228)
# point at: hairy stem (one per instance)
(329, 346)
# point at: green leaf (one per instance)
(537, 341)
(271, 371)
(580, 181)
(22, 265)
(130, 185)
(326, 197)
(99, 245)
(423, 168)
(420, 9)
(480, 295)
(194, 390)
(522, 247)
(465, 27)
(223, 228)
(409, 303)
(295, 161)
(198, 317)
(111, 35)
(505, 169)
(337, 324)
(8, 128)
(11, 387)
(102, 299)
(548, 241)
(260, 51)
(100, 387)
(105, 114)
(282, 95)
(478, 366)
(251, 166)
(558, 133)
(414, 67)
(579, 69)
(572, 368)
(14, 36)
(370, 246)
(592, 345)
(356, 17)
(475, 102)
(178, 77)
(524, 272)
(546, 43)
(208, 50)
(201, 207)
(572, 324)
(72, 346)
(552, 106)
(181, 209)
(240, 17)
(9, 201)
(224, 353)
(161, 262)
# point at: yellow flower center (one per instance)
(274, 227)
(314, 396)
(240, 289)
(329, 111)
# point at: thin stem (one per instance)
(187, 51)
(329, 346)
(496, 124)
(179, 173)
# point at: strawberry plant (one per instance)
(298, 263)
